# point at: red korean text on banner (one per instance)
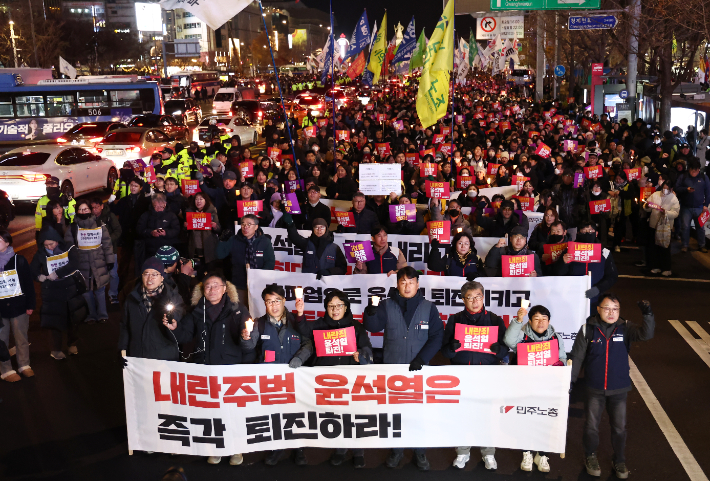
(585, 252)
(383, 148)
(412, 158)
(445, 149)
(478, 115)
(291, 203)
(703, 218)
(425, 152)
(545, 353)
(439, 230)
(492, 169)
(519, 181)
(399, 212)
(322, 122)
(346, 219)
(247, 169)
(335, 342)
(427, 169)
(518, 266)
(343, 135)
(445, 130)
(309, 131)
(647, 191)
(633, 174)
(438, 138)
(357, 67)
(274, 153)
(190, 187)
(593, 172)
(199, 221)
(555, 251)
(543, 151)
(482, 123)
(381, 118)
(476, 338)
(245, 207)
(586, 123)
(437, 190)
(149, 174)
(358, 251)
(464, 181)
(553, 111)
(526, 203)
(599, 206)
(503, 126)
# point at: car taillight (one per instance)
(260, 113)
(230, 114)
(133, 150)
(61, 140)
(34, 177)
(96, 140)
(99, 149)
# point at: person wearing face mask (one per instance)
(469, 197)
(597, 192)
(453, 214)
(556, 266)
(537, 329)
(95, 257)
(460, 258)
(515, 244)
(663, 207)
(53, 193)
(504, 221)
(129, 209)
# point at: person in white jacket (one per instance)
(664, 207)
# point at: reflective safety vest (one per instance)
(41, 211)
(120, 189)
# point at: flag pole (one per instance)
(453, 86)
(332, 63)
(278, 82)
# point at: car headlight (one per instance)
(315, 113)
(177, 112)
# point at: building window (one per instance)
(198, 36)
(187, 14)
(192, 25)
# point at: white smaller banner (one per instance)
(88, 239)
(55, 262)
(9, 284)
(214, 13)
(380, 179)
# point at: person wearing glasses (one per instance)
(250, 248)
(216, 324)
(321, 256)
(413, 333)
(474, 314)
(338, 316)
(602, 349)
(276, 339)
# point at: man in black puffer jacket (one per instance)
(158, 227)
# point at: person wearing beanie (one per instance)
(152, 301)
(514, 245)
(504, 221)
(272, 215)
(202, 244)
(321, 255)
(62, 304)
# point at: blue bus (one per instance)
(193, 80)
(44, 111)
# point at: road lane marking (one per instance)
(25, 246)
(27, 229)
(661, 278)
(694, 343)
(686, 458)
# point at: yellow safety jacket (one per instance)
(41, 211)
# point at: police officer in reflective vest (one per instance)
(388, 259)
(602, 348)
(321, 255)
(53, 193)
(276, 339)
(413, 335)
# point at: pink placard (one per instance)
(476, 338)
(335, 342)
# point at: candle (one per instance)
(459, 229)
(375, 300)
(525, 304)
(249, 325)
(299, 292)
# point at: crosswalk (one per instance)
(700, 346)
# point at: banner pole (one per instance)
(453, 86)
(287, 125)
(332, 84)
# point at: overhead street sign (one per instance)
(545, 4)
(592, 23)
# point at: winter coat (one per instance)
(522, 332)
(459, 223)
(142, 333)
(310, 213)
(217, 342)
(93, 263)
(364, 347)
(669, 203)
(344, 188)
(236, 247)
(700, 197)
(314, 247)
(110, 220)
(153, 220)
(206, 238)
(483, 318)
(16, 306)
(494, 260)
(286, 341)
(129, 209)
(365, 220)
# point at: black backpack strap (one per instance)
(261, 324)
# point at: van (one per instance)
(225, 97)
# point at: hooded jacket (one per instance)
(364, 347)
(314, 248)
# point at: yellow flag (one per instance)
(379, 49)
(433, 94)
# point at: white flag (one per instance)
(66, 68)
(214, 13)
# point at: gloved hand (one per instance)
(434, 243)
(111, 198)
(199, 176)
(645, 307)
(431, 178)
(559, 363)
(321, 273)
(42, 278)
(482, 205)
(288, 219)
(416, 364)
(226, 235)
(122, 360)
(295, 363)
(261, 214)
(53, 276)
(371, 310)
(472, 276)
(455, 344)
(495, 347)
(593, 292)
(109, 266)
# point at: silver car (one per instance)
(133, 143)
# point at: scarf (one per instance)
(251, 253)
(214, 310)
(462, 258)
(6, 256)
(147, 296)
(277, 215)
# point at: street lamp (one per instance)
(12, 37)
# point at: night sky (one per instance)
(426, 14)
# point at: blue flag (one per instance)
(361, 37)
(328, 62)
(407, 46)
(367, 76)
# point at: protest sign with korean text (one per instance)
(476, 338)
(190, 187)
(55, 262)
(544, 353)
(245, 207)
(199, 221)
(585, 252)
(400, 212)
(88, 239)
(599, 206)
(9, 284)
(291, 203)
(428, 168)
(342, 135)
(247, 169)
(437, 190)
(335, 342)
(380, 179)
(526, 203)
(439, 230)
(518, 266)
(346, 219)
(633, 174)
(382, 148)
(593, 172)
(360, 251)
(543, 151)
(274, 153)
(412, 158)
(492, 169)
(554, 251)
(462, 182)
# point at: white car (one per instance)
(248, 133)
(133, 143)
(24, 171)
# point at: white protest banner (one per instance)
(55, 262)
(534, 218)
(219, 410)
(380, 179)
(9, 284)
(88, 239)
(214, 13)
(563, 296)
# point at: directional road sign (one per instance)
(592, 23)
(560, 70)
(544, 4)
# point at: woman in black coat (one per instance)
(16, 307)
(62, 301)
(343, 187)
(460, 259)
(55, 217)
(129, 209)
